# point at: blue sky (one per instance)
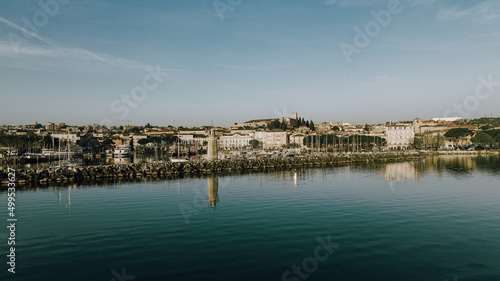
(247, 60)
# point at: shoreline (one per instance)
(167, 170)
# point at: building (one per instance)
(354, 129)
(297, 138)
(447, 119)
(72, 138)
(235, 141)
(50, 126)
(399, 136)
(259, 122)
(61, 125)
(289, 121)
(274, 139)
(136, 138)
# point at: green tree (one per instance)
(143, 141)
(135, 130)
(439, 141)
(254, 143)
(493, 133)
(311, 125)
(497, 140)
(275, 124)
(107, 143)
(482, 138)
(486, 127)
(148, 126)
(458, 133)
(418, 141)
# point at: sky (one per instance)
(230, 61)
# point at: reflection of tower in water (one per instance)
(68, 199)
(213, 191)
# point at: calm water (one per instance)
(434, 219)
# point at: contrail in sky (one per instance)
(13, 25)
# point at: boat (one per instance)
(66, 154)
(48, 152)
(122, 150)
(178, 148)
(178, 160)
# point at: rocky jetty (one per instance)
(130, 172)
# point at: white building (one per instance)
(72, 138)
(235, 141)
(297, 138)
(399, 136)
(274, 139)
(136, 138)
(447, 119)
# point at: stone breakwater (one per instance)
(163, 170)
(130, 172)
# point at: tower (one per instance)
(294, 115)
(212, 153)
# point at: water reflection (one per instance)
(68, 197)
(213, 191)
(398, 173)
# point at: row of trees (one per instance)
(485, 139)
(344, 143)
(460, 137)
(308, 124)
(158, 141)
(276, 124)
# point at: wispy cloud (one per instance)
(366, 3)
(55, 51)
(253, 67)
(421, 2)
(349, 3)
(386, 78)
(24, 30)
(484, 12)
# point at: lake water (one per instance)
(433, 219)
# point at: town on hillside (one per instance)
(291, 135)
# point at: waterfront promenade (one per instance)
(131, 172)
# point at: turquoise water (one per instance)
(436, 219)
